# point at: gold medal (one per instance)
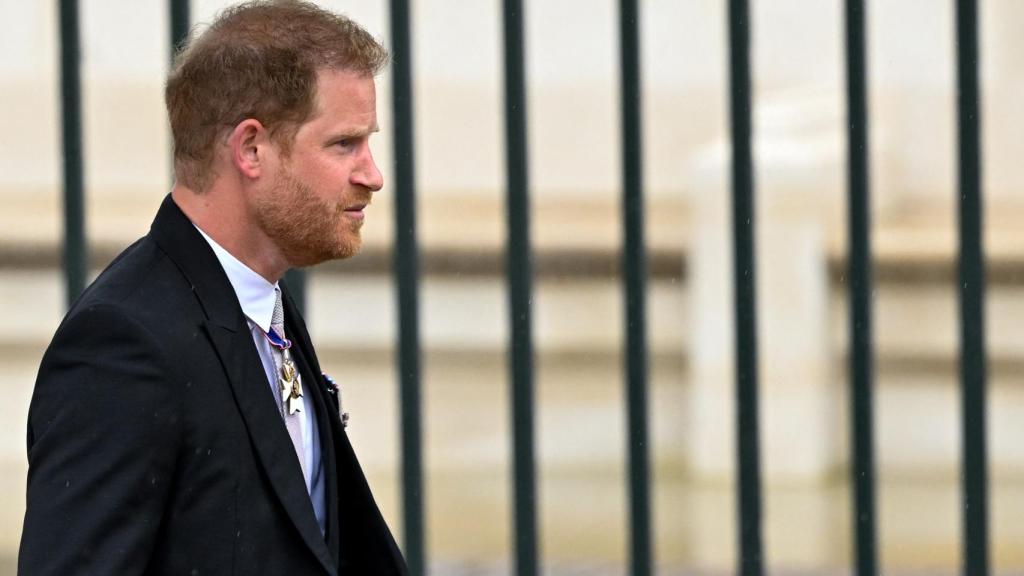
(290, 387)
(288, 371)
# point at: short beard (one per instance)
(305, 228)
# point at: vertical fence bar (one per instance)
(972, 295)
(859, 273)
(634, 266)
(749, 488)
(519, 283)
(407, 283)
(75, 251)
(181, 22)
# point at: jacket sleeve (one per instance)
(104, 430)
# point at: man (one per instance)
(180, 423)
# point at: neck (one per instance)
(224, 216)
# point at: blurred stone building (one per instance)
(572, 63)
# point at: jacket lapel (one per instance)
(309, 367)
(365, 544)
(268, 433)
(229, 334)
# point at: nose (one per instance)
(367, 174)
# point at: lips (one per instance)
(356, 211)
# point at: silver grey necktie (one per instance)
(289, 383)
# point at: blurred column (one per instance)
(799, 171)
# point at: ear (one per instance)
(249, 144)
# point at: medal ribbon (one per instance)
(277, 342)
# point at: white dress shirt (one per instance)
(256, 296)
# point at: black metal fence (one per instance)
(971, 283)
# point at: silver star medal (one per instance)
(291, 388)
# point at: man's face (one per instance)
(314, 208)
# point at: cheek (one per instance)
(327, 178)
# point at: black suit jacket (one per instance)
(155, 446)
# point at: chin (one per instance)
(348, 245)
(313, 253)
(347, 251)
(343, 250)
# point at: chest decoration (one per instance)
(290, 386)
(277, 341)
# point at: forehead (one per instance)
(344, 97)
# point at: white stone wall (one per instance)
(572, 63)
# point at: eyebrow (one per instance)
(357, 131)
(336, 135)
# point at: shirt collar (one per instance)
(254, 293)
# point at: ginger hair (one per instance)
(257, 60)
